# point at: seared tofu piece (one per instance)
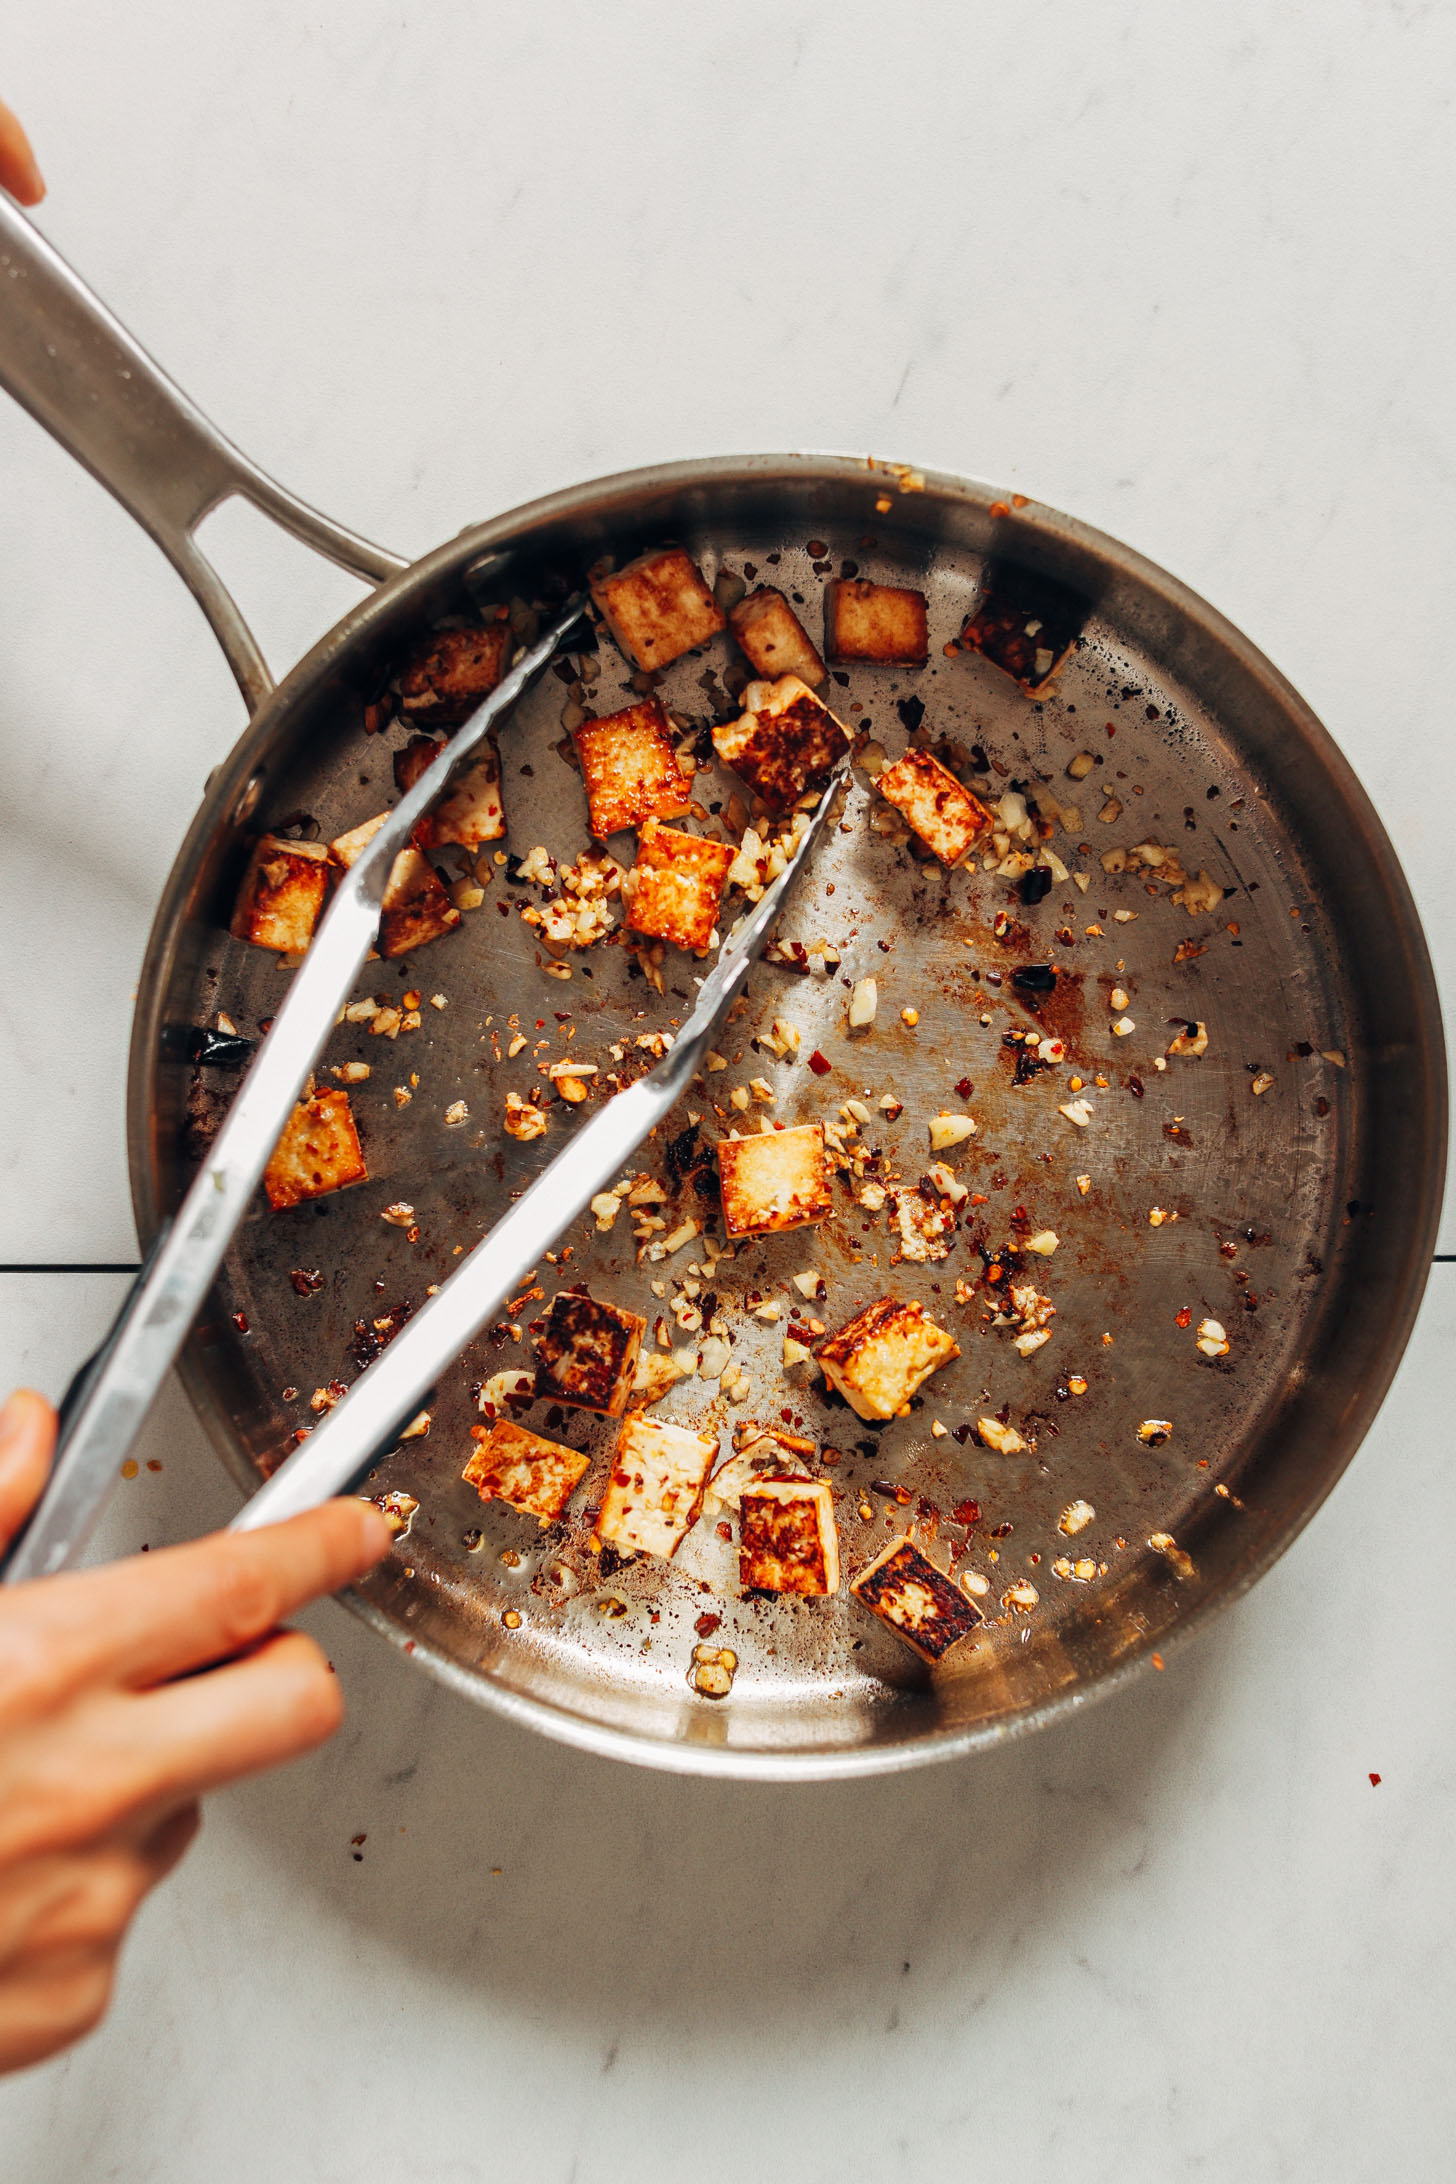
(658, 607)
(864, 621)
(765, 1455)
(919, 1602)
(787, 743)
(630, 769)
(884, 1354)
(778, 1179)
(586, 1353)
(470, 812)
(945, 815)
(449, 672)
(674, 889)
(1024, 624)
(773, 639)
(654, 1489)
(282, 894)
(787, 1542)
(318, 1152)
(534, 1475)
(416, 906)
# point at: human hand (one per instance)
(125, 1692)
(18, 171)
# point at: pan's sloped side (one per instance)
(1340, 1212)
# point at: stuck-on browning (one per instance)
(779, 1179)
(883, 1355)
(941, 810)
(654, 1489)
(282, 894)
(658, 607)
(787, 1542)
(786, 743)
(586, 1352)
(534, 1475)
(630, 769)
(918, 1602)
(470, 812)
(864, 621)
(773, 639)
(673, 890)
(416, 906)
(1024, 624)
(449, 672)
(318, 1152)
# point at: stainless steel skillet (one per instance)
(1306, 1211)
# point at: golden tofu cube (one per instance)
(944, 814)
(864, 621)
(787, 1542)
(879, 1360)
(658, 607)
(1024, 624)
(282, 894)
(450, 672)
(773, 639)
(630, 769)
(918, 1602)
(416, 906)
(674, 889)
(655, 1487)
(586, 1352)
(786, 744)
(779, 1179)
(318, 1152)
(470, 812)
(534, 1475)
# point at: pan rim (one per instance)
(1401, 1302)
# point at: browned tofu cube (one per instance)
(534, 1475)
(450, 672)
(416, 906)
(282, 894)
(658, 607)
(879, 1360)
(655, 1487)
(674, 889)
(1024, 624)
(779, 1179)
(945, 815)
(864, 621)
(318, 1152)
(773, 639)
(786, 1537)
(586, 1353)
(918, 1602)
(766, 1454)
(470, 812)
(630, 769)
(786, 744)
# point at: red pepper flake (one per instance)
(706, 1625)
(240, 1321)
(1157, 1660)
(966, 1512)
(964, 1089)
(820, 1064)
(1111, 732)
(1184, 1318)
(1375, 1782)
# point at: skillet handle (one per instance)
(80, 374)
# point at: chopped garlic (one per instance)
(1075, 1517)
(1004, 1439)
(1077, 1111)
(863, 1002)
(946, 1130)
(1044, 1243)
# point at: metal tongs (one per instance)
(111, 1395)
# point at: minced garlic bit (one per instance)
(1022, 1596)
(1077, 1384)
(1075, 1517)
(782, 1039)
(1118, 998)
(1080, 764)
(352, 1072)
(1261, 1082)
(1191, 1042)
(1084, 1184)
(1044, 1243)
(712, 1671)
(457, 1112)
(437, 1001)
(523, 1121)
(400, 1215)
(1004, 1439)
(864, 1000)
(417, 1428)
(1212, 1340)
(947, 1130)
(1122, 1026)
(1156, 1217)
(1077, 1111)
(1181, 1564)
(605, 1208)
(1155, 1431)
(517, 1044)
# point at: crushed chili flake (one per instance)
(820, 1064)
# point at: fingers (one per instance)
(85, 1900)
(144, 1621)
(27, 1436)
(18, 171)
(278, 1703)
(43, 2011)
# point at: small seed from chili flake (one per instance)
(910, 1017)
(511, 1620)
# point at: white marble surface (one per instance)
(1184, 270)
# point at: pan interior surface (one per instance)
(1282, 1184)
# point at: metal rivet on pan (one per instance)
(247, 801)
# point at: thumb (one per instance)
(27, 1437)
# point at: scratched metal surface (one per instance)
(1198, 744)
